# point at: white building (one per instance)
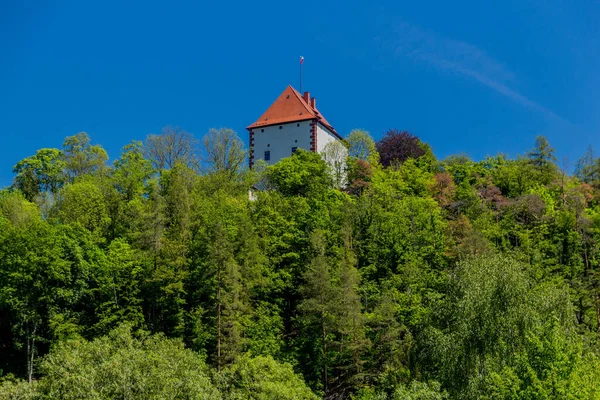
(292, 122)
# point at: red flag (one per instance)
(301, 59)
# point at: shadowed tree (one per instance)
(318, 302)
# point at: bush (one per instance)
(263, 378)
(125, 366)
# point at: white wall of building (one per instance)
(280, 141)
(324, 136)
(335, 157)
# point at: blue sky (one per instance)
(469, 77)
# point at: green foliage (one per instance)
(503, 334)
(414, 391)
(172, 146)
(419, 391)
(263, 378)
(81, 157)
(361, 146)
(40, 173)
(302, 174)
(123, 365)
(225, 152)
(84, 203)
(13, 389)
(131, 171)
(542, 158)
(419, 280)
(16, 209)
(119, 283)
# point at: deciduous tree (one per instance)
(172, 145)
(397, 146)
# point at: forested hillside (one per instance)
(175, 272)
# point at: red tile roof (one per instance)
(290, 106)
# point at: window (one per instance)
(297, 124)
(262, 130)
(280, 126)
(294, 149)
(267, 155)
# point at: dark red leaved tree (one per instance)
(398, 146)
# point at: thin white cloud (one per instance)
(461, 58)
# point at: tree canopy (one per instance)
(389, 275)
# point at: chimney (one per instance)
(313, 103)
(307, 97)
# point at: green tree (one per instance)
(224, 151)
(302, 174)
(81, 157)
(132, 171)
(419, 391)
(40, 174)
(29, 259)
(319, 297)
(126, 366)
(543, 159)
(127, 197)
(496, 320)
(361, 146)
(84, 203)
(588, 167)
(349, 322)
(173, 145)
(14, 389)
(231, 300)
(262, 378)
(45, 284)
(336, 154)
(16, 209)
(119, 288)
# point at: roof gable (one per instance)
(290, 106)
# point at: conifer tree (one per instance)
(319, 296)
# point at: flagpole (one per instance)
(301, 59)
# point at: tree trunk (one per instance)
(30, 351)
(325, 377)
(598, 310)
(219, 317)
(154, 290)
